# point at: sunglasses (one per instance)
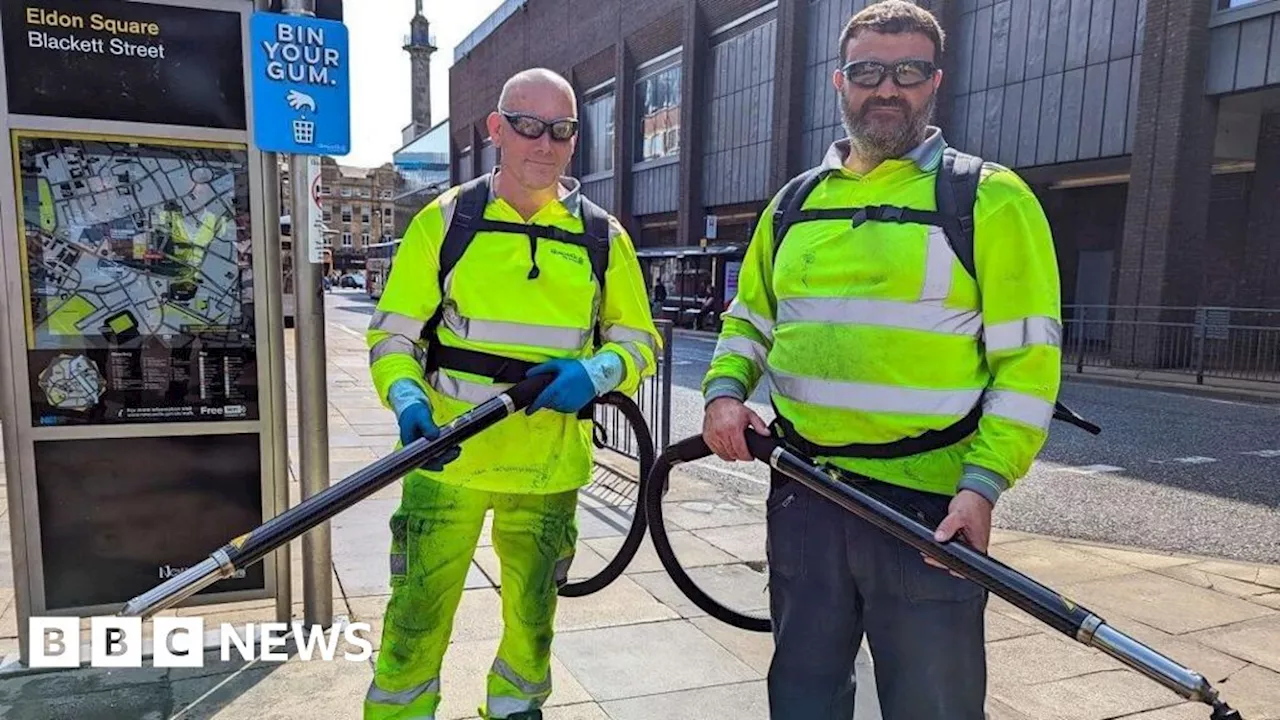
(906, 73)
(533, 127)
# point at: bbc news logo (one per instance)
(179, 642)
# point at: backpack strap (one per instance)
(468, 210)
(596, 231)
(787, 211)
(956, 194)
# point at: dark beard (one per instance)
(879, 144)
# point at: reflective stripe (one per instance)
(937, 267)
(1021, 333)
(739, 310)
(622, 333)
(740, 345)
(404, 697)
(465, 390)
(874, 398)
(396, 323)
(641, 361)
(495, 331)
(930, 317)
(394, 345)
(1017, 406)
(531, 689)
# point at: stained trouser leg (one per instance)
(433, 538)
(534, 537)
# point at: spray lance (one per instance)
(1042, 603)
(251, 547)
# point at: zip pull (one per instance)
(534, 272)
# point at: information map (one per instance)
(139, 281)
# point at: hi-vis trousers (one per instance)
(434, 536)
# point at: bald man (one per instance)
(511, 275)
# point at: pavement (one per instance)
(639, 651)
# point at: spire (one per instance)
(418, 6)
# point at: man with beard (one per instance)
(899, 364)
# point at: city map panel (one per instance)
(139, 280)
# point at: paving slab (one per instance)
(1257, 641)
(464, 677)
(698, 514)
(1056, 564)
(999, 626)
(690, 550)
(1135, 558)
(1254, 691)
(1055, 659)
(753, 648)
(1197, 575)
(1161, 602)
(277, 691)
(622, 602)
(1181, 711)
(1271, 600)
(737, 587)
(607, 661)
(601, 522)
(1095, 696)
(586, 562)
(135, 702)
(747, 701)
(1266, 575)
(745, 542)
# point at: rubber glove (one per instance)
(577, 382)
(413, 413)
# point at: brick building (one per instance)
(358, 206)
(1150, 129)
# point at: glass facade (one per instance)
(658, 114)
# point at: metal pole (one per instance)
(309, 350)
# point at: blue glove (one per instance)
(577, 382)
(413, 413)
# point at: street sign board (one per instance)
(301, 85)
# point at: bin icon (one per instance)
(304, 132)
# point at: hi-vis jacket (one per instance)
(491, 305)
(877, 333)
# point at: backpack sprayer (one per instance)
(251, 547)
(1046, 605)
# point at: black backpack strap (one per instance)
(956, 192)
(468, 212)
(790, 201)
(596, 231)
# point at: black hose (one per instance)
(630, 545)
(653, 487)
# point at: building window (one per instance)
(658, 119)
(386, 214)
(324, 190)
(1229, 4)
(597, 134)
(328, 216)
(386, 195)
(346, 213)
(346, 239)
(364, 238)
(364, 214)
(346, 192)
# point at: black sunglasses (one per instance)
(906, 73)
(533, 127)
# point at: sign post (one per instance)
(302, 107)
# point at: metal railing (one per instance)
(1204, 342)
(654, 400)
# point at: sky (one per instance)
(380, 68)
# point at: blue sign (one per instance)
(301, 85)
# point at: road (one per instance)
(1170, 471)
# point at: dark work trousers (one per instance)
(833, 577)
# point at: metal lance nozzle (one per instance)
(180, 587)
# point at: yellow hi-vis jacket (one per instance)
(876, 333)
(491, 305)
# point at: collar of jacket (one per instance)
(570, 192)
(926, 156)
